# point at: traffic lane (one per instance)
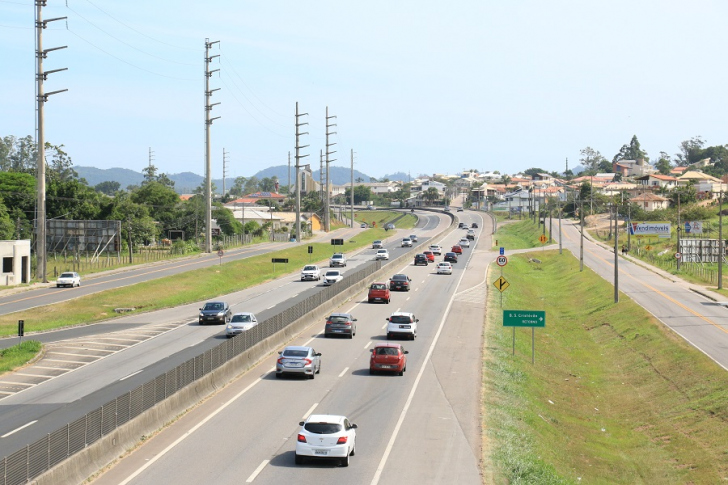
(266, 439)
(688, 313)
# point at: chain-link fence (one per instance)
(36, 458)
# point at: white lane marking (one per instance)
(270, 307)
(383, 327)
(132, 374)
(308, 413)
(398, 309)
(188, 433)
(407, 298)
(257, 471)
(368, 343)
(196, 343)
(18, 429)
(16, 384)
(424, 281)
(416, 289)
(407, 404)
(343, 372)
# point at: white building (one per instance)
(16, 262)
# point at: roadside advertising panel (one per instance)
(650, 229)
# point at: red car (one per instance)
(430, 256)
(457, 249)
(388, 358)
(378, 292)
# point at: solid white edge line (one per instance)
(132, 374)
(308, 413)
(257, 471)
(18, 429)
(343, 372)
(390, 444)
(188, 433)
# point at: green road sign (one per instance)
(524, 318)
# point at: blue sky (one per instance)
(419, 86)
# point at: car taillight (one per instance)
(342, 440)
(280, 360)
(301, 438)
(347, 323)
(307, 361)
(328, 322)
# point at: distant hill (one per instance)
(398, 176)
(184, 183)
(339, 175)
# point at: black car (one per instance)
(400, 282)
(340, 324)
(474, 225)
(421, 259)
(452, 257)
(215, 312)
(461, 225)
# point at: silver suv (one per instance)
(337, 260)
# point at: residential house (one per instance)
(657, 180)
(633, 168)
(651, 202)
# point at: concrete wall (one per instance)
(80, 466)
(17, 250)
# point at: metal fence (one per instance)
(37, 458)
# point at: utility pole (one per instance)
(581, 239)
(224, 169)
(352, 187)
(321, 179)
(298, 172)
(289, 173)
(327, 217)
(721, 250)
(151, 156)
(616, 258)
(41, 98)
(208, 162)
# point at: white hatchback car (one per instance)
(326, 436)
(333, 276)
(444, 267)
(436, 249)
(406, 242)
(464, 243)
(69, 278)
(402, 323)
(240, 323)
(382, 254)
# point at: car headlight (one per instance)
(230, 327)
(202, 315)
(219, 314)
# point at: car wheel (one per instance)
(326, 335)
(299, 459)
(400, 373)
(312, 376)
(202, 323)
(389, 336)
(388, 302)
(345, 460)
(371, 372)
(353, 450)
(369, 301)
(278, 376)
(351, 335)
(58, 286)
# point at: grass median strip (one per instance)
(17, 355)
(180, 289)
(614, 396)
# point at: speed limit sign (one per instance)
(501, 261)
(678, 255)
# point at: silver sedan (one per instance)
(304, 361)
(240, 323)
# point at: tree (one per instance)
(664, 164)
(150, 174)
(686, 194)
(18, 192)
(431, 195)
(108, 187)
(7, 228)
(362, 193)
(18, 154)
(533, 171)
(591, 159)
(690, 151)
(160, 200)
(267, 184)
(633, 151)
(61, 164)
(135, 220)
(226, 220)
(238, 186)
(72, 199)
(251, 185)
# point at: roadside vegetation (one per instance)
(18, 355)
(405, 221)
(188, 287)
(613, 396)
(521, 234)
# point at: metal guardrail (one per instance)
(37, 458)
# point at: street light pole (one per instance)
(616, 258)
(721, 251)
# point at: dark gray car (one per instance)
(215, 312)
(340, 324)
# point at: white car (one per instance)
(338, 259)
(464, 243)
(436, 249)
(333, 276)
(240, 323)
(402, 323)
(382, 254)
(310, 272)
(326, 436)
(71, 279)
(444, 267)
(406, 242)
(377, 244)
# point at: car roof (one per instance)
(341, 314)
(244, 313)
(296, 347)
(380, 250)
(402, 314)
(216, 301)
(399, 274)
(388, 344)
(326, 418)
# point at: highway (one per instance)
(87, 383)
(419, 428)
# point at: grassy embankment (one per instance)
(382, 217)
(614, 396)
(18, 355)
(517, 234)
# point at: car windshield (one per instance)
(322, 428)
(382, 251)
(332, 273)
(399, 277)
(66, 275)
(387, 351)
(379, 286)
(400, 319)
(213, 306)
(295, 353)
(337, 256)
(240, 318)
(309, 268)
(338, 318)
(377, 242)
(451, 255)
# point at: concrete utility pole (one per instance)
(321, 179)
(289, 174)
(721, 250)
(298, 172)
(151, 156)
(208, 162)
(224, 169)
(581, 238)
(352, 187)
(616, 256)
(41, 98)
(327, 216)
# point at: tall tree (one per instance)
(251, 185)
(108, 187)
(591, 159)
(690, 151)
(18, 154)
(534, 171)
(7, 228)
(61, 165)
(632, 151)
(664, 164)
(150, 173)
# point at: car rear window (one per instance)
(387, 351)
(241, 318)
(66, 275)
(400, 319)
(295, 353)
(399, 277)
(338, 319)
(309, 268)
(322, 428)
(213, 306)
(379, 287)
(332, 273)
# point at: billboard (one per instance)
(693, 227)
(649, 229)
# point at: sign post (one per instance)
(310, 252)
(21, 329)
(278, 260)
(542, 239)
(220, 254)
(525, 318)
